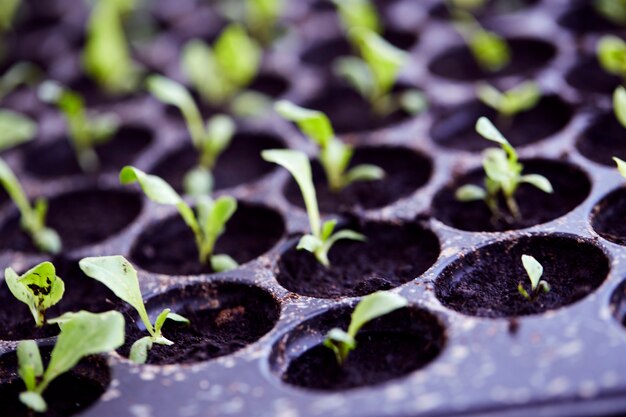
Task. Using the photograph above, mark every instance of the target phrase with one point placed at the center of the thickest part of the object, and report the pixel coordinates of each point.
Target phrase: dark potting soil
(225, 317)
(583, 18)
(81, 293)
(603, 139)
(389, 347)
(323, 54)
(588, 76)
(456, 127)
(571, 187)
(57, 158)
(573, 267)
(349, 112)
(405, 172)
(80, 218)
(272, 85)
(168, 247)
(607, 217)
(528, 55)
(491, 8)
(391, 256)
(67, 395)
(240, 163)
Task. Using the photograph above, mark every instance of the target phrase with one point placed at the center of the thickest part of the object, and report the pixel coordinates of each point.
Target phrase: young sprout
(375, 73)
(8, 9)
(334, 155)
(491, 51)
(613, 10)
(503, 175)
(358, 14)
(612, 55)
(85, 130)
(106, 57)
(39, 288)
(16, 129)
(82, 334)
(619, 105)
(32, 218)
(210, 140)
(509, 103)
(21, 73)
(535, 271)
(120, 277)
(207, 224)
(321, 239)
(621, 166)
(218, 74)
(369, 308)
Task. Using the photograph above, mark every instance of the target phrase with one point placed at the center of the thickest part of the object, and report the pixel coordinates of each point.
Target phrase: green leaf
(117, 274)
(619, 105)
(160, 320)
(357, 73)
(154, 187)
(30, 364)
(491, 51)
(309, 243)
(223, 209)
(413, 101)
(8, 9)
(358, 13)
(34, 401)
(299, 167)
(328, 227)
(341, 344)
(621, 166)
(250, 104)
(614, 10)
(238, 56)
(534, 270)
(16, 129)
(487, 130)
(470, 192)
(518, 99)
(538, 181)
(139, 350)
(21, 73)
(39, 288)
(373, 306)
(199, 66)
(198, 181)
(220, 130)
(314, 124)
(364, 172)
(223, 263)
(612, 55)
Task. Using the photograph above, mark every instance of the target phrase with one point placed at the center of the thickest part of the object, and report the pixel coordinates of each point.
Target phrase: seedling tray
(475, 347)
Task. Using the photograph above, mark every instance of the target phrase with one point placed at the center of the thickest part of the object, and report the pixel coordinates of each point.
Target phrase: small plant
(491, 51)
(39, 288)
(613, 10)
(358, 14)
(20, 73)
(106, 57)
(120, 277)
(207, 224)
(210, 140)
(16, 129)
(619, 105)
(321, 239)
(334, 155)
(85, 131)
(82, 334)
(509, 103)
(612, 55)
(32, 218)
(375, 73)
(503, 175)
(218, 74)
(8, 9)
(534, 270)
(369, 308)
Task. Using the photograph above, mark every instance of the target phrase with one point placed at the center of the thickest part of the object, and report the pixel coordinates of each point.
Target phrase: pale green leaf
(358, 13)
(30, 363)
(373, 306)
(199, 66)
(534, 270)
(139, 350)
(612, 55)
(223, 263)
(364, 172)
(198, 181)
(312, 123)
(487, 130)
(357, 73)
(154, 187)
(538, 181)
(16, 129)
(238, 56)
(619, 105)
(33, 401)
(470, 192)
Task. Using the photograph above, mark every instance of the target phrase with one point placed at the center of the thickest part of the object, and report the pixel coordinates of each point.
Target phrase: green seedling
(490, 51)
(32, 218)
(106, 57)
(534, 270)
(358, 14)
(220, 73)
(120, 277)
(82, 334)
(85, 131)
(375, 73)
(611, 53)
(619, 105)
(613, 10)
(16, 129)
(503, 175)
(21, 73)
(260, 17)
(369, 308)
(323, 235)
(207, 224)
(334, 155)
(8, 10)
(210, 140)
(39, 288)
(521, 98)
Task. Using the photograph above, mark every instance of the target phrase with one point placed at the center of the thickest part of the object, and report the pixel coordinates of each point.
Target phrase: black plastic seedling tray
(467, 345)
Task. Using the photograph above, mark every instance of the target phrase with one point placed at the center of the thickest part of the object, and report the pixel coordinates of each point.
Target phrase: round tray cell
(240, 163)
(492, 8)
(405, 172)
(168, 247)
(81, 293)
(528, 55)
(603, 139)
(389, 347)
(81, 218)
(224, 317)
(607, 217)
(391, 256)
(582, 18)
(57, 158)
(69, 394)
(485, 282)
(588, 76)
(571, 187)
(456, 128)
